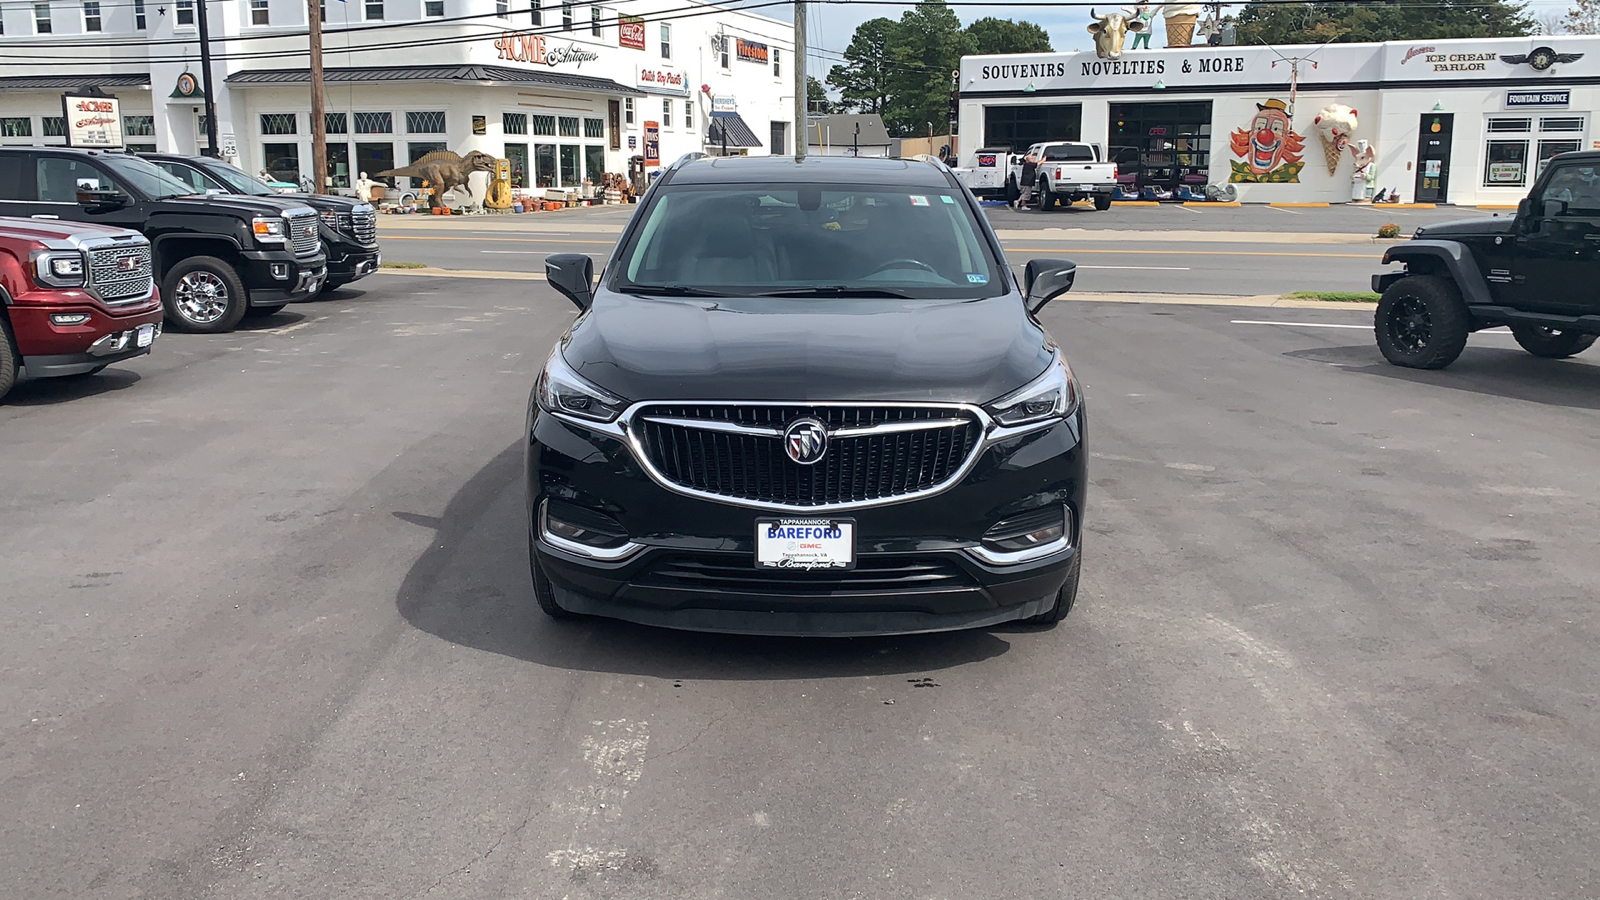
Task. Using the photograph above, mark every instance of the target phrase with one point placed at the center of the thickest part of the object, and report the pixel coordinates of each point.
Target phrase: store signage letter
(751, 51)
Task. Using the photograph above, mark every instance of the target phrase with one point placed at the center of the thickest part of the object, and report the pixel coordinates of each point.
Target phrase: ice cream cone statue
(1180, 18)
(1335, 124)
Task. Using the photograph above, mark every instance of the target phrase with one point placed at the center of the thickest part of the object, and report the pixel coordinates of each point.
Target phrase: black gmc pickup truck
(1538, 273)
(216, 257)
(349, 227)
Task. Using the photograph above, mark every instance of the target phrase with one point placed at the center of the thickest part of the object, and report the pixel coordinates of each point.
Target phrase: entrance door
(780, 139)
(1433, 157)
(1559, 251)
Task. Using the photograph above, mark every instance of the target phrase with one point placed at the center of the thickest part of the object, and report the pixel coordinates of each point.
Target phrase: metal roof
(735, 129)
(68, 82)
(449, 74)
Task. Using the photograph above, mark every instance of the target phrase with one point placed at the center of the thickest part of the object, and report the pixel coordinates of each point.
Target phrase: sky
(832, 23)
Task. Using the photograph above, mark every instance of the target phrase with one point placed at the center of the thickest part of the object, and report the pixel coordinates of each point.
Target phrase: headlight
(563, 392)
(1053, 395)
(269, 229)
(59, 268)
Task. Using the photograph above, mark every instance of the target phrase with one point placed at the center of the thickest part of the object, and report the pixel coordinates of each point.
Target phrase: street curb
(1202, 204)
(1299, 205)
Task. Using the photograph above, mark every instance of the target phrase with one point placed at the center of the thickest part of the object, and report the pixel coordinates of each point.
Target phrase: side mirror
(1525, 208)
(1044, 280)
(101, 201)
(573, 275)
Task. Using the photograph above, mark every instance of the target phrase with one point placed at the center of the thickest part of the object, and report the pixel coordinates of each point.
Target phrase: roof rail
(928, 158)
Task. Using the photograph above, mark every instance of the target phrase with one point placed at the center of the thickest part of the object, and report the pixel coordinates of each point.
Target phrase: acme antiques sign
(530, 48)
(92, 121)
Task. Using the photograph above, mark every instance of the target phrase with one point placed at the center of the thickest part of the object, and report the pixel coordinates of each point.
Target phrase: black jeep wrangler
(1538, 273)
(216, 258)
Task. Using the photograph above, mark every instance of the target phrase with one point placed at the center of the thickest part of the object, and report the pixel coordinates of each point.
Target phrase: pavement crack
(692, 741)
(467, 866)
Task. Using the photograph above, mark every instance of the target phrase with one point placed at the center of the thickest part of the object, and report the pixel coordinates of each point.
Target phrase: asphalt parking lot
(271, 636)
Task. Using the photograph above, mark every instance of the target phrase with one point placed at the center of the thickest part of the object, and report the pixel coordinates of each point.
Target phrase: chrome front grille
(303, 235)
(116, 281)
(875, 453)
(737, 572)
(364, 226)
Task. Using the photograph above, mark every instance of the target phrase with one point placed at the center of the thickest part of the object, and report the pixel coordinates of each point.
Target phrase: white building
(567, 91)
(1460, 121)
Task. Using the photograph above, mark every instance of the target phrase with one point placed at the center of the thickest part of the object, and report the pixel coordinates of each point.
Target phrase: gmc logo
(127, 264)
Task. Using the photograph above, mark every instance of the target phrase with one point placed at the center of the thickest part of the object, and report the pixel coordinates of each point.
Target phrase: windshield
(145, 177)
(809, 239)
(239, 181)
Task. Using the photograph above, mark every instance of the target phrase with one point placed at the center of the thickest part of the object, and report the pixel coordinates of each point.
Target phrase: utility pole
(205, 79)
(800, 92)
(319, 122)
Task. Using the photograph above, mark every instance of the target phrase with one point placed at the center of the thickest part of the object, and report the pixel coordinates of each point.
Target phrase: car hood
(815, 350)
(244, 204)
(56, 230)
(1466, 228)
(323, 202)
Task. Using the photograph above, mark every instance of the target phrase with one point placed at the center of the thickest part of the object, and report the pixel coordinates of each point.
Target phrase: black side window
(60, 177)
(188, 175)
(11, 186)
(1576, 186)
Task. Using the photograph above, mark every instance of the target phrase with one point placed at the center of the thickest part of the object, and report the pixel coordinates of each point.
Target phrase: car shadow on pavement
(471, 587)
(49, 391)
(1494, 371)
(267, 323)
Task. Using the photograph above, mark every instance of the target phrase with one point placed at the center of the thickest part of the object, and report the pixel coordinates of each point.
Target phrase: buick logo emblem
(806, 441)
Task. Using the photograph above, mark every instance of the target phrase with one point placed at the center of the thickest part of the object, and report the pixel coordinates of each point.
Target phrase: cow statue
(1110, 32)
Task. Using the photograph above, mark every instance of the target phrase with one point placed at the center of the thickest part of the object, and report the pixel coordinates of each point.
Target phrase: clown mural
(1270, 148)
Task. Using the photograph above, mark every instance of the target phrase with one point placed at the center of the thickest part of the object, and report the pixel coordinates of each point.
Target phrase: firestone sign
(93, 121)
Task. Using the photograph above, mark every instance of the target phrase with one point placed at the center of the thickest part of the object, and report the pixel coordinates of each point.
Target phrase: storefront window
(425, 122)
(517, 155)
(139, 126)
(418, 149)
(594, 128)
(1161, 145)
(277, 123)
(16, 127)
(335, 123)
(543, 125)
(594, 164)
(375, 158)
(1506, 164)
(1019, 127)
(569, 126)
(374, 123)
(569, 166)
(339, 165)
(544, 160)
(1548, 149)
(514, 123)
(53, 126)
(282, 161)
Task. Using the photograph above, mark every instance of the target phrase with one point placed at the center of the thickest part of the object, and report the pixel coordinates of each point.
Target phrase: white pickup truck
(987, 176)
(1068, 171)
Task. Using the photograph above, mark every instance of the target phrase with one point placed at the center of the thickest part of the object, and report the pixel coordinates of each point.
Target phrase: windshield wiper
(671, 290)
(839, 290)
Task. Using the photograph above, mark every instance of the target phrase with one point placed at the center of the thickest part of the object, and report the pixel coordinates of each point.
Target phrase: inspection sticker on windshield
(805, 543)
(977, 279)
(947, 198)
(918, 200)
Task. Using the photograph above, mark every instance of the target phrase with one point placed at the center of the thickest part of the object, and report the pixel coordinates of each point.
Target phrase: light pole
(205, 79)
(319, 122)
(800, 92)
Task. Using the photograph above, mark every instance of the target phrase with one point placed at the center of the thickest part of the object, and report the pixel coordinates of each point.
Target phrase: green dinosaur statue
(444, 170)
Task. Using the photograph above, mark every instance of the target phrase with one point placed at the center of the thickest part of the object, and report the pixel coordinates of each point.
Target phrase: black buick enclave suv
(807, 398)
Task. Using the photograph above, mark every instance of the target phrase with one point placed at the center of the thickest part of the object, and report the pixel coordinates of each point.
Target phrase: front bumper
(274, 277)
(351, 262)
(694, 563)
(108, 336)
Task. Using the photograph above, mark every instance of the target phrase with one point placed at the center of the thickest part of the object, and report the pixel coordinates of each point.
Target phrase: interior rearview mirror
(96, 200)
(572, 274)
(1044, 280)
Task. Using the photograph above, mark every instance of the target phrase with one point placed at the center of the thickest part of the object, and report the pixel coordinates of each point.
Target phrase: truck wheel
(1011, 191)
(1551, 343)
(8, 359)
(1102, 202)
(1421, 322)
(204, 295)
(261, 312)
(1064, 600)
(1047, 199)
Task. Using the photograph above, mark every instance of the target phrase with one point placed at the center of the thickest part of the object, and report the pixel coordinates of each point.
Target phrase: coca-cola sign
(630, 32)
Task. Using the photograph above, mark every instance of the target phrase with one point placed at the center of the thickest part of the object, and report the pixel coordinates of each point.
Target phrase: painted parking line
(1136, 268)
(479, 240)
(1174, 251)
(1506, 332)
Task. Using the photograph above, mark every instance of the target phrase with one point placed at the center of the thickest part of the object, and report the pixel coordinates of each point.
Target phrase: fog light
(280, 271)
(69, 318)
(1030, 535)
(588, 527)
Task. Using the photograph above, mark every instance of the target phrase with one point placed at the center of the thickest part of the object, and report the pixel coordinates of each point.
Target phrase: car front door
(59, 179)
(1557, 266)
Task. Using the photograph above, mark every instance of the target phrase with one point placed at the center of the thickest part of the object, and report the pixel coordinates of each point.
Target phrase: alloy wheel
(1410, 325)
(201, 297)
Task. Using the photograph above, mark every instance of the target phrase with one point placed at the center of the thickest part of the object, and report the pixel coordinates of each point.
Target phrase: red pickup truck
(74, 298)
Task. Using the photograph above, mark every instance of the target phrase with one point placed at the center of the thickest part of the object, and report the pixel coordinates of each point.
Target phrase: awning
(737, 132)
(68, 82)
(437, 74)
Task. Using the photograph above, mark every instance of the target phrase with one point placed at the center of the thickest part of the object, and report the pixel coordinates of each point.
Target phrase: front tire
(1422, 323)
(8, 359)
(1047, 198)
(543, 592)
(1551, 343)
(1065, 598)
(203, 295)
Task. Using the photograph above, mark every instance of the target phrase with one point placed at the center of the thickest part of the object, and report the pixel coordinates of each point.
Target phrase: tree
(991, 35)
(863, 78)
(925, 47)
(1382, 20)
(817, 100)
(1583, 18)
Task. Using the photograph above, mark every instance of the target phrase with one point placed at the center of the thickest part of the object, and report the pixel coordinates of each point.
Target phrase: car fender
(1448, 258)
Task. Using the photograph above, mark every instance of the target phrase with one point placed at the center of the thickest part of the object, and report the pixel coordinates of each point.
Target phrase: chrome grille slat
(739, 454)
(303, 236)
(116, 287)
(364, 227)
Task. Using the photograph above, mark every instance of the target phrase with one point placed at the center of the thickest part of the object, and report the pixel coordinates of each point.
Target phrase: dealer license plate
(1085, 187)
(805, 543)
(146, 336)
